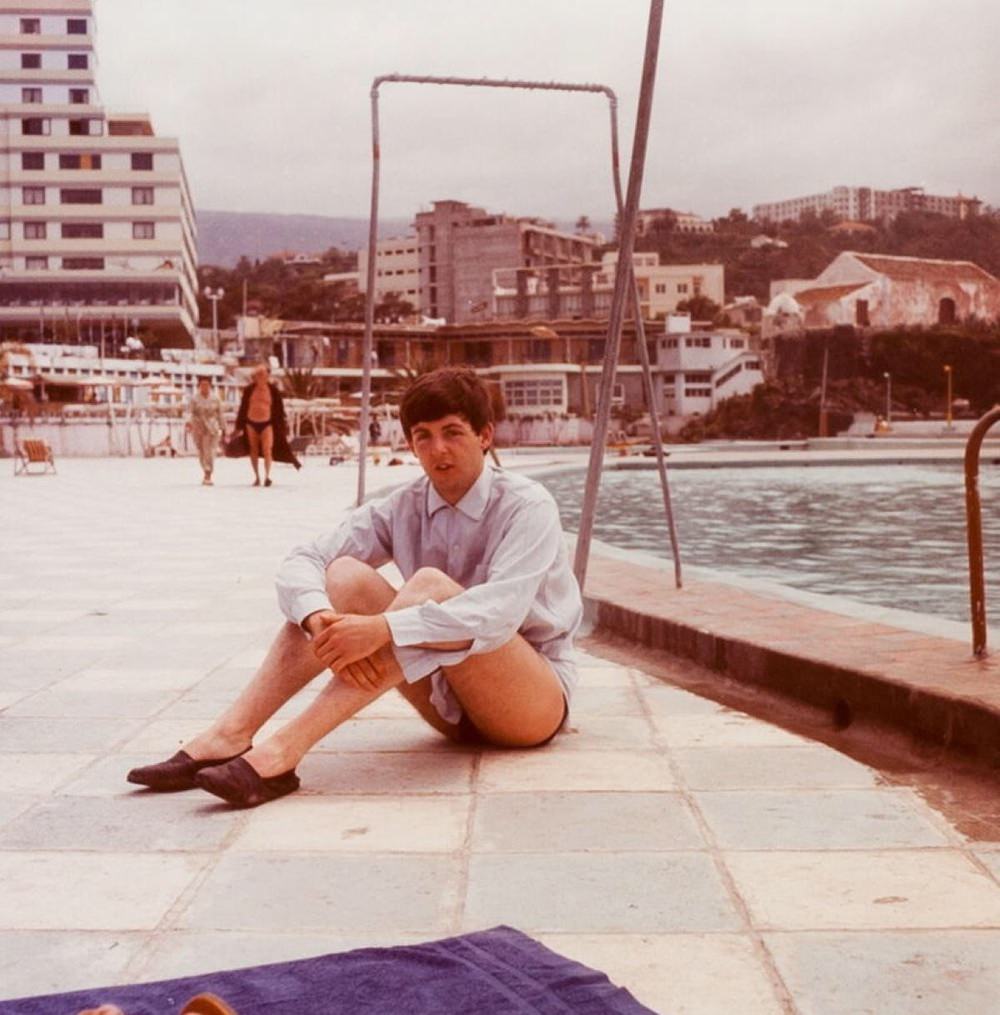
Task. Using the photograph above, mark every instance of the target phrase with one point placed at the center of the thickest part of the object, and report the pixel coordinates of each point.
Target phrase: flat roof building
(460, 246)
(865, 204)
(97, 233)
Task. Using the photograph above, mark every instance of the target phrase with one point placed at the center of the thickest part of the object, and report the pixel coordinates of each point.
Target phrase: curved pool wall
(863, 538)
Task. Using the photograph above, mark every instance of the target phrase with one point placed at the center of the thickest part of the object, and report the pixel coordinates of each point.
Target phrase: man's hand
(340, 639)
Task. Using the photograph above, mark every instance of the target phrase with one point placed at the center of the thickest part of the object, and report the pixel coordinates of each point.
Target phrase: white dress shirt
(502, 542)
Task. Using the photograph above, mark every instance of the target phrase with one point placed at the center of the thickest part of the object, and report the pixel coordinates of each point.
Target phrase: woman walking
(261, 419)
(206, 424)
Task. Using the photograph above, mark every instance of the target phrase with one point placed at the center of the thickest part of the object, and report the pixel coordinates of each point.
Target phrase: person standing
(261, 418)
(206, 424)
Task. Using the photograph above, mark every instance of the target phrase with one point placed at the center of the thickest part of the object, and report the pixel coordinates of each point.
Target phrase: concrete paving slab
(603, 893)
(373, 893)
(91, 891)
(584, 821)
(864, 890)
(683, 974)
(818, 819)
(401, 773)
(812, 767)
(585, 771)
(892, 973)
(49, 962)
(61, 734)
(140, 822)
(331, 825)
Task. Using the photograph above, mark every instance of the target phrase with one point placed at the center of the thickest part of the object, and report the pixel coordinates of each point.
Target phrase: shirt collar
(473, 504)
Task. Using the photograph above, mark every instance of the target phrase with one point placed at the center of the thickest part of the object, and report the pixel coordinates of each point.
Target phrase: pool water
(887, 535)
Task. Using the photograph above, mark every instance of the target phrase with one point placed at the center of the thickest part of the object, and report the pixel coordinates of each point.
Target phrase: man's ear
(486, 436)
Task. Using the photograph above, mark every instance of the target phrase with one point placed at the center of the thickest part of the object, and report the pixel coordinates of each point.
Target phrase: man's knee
(355, 587)
(431, 583)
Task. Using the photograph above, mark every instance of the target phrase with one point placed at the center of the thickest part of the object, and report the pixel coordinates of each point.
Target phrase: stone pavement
(707, 860)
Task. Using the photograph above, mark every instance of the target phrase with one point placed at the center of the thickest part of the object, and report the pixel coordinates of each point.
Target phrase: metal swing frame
(625, 284)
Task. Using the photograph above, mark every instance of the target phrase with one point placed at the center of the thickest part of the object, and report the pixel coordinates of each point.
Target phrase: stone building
(883, 291)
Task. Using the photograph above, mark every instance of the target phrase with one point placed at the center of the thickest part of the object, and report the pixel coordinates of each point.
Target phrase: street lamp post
(947, 374)
(888, 398)
(214, 295)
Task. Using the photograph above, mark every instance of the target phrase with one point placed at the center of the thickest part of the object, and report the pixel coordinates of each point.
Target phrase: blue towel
(492, 972)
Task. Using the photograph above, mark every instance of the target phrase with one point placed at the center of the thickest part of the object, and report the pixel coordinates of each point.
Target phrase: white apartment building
(696, 370)
(397, 269)
(865, 204)
(97, 233)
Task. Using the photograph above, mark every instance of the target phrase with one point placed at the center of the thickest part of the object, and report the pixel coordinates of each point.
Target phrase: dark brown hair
(442, 392)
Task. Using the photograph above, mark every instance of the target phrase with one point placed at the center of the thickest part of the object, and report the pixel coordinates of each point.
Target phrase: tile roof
(921, 269)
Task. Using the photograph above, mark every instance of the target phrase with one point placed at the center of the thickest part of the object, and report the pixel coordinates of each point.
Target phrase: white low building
(696, 370)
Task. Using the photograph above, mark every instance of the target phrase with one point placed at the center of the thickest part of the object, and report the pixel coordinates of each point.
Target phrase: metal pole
(823, 426)
(623, 279)
(974, 531)
(888, 399)
(947, 372)
(368, 344)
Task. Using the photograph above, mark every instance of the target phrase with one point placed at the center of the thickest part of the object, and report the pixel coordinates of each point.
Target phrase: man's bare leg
(512, 695)
(290, 663)
(253, 447)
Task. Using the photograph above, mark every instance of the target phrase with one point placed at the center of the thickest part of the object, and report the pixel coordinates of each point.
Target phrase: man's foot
(176, 773)
(256, 481)
(267, 482)
(207, 1004)
(238, 783)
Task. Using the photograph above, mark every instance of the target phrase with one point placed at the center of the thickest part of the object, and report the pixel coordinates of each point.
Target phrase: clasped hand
(346, 643)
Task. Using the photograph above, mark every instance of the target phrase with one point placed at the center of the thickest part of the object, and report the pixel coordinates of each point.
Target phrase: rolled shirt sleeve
(488, 615)
(301, 580)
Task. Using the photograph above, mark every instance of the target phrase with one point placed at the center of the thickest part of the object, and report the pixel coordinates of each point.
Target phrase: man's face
(451, 453)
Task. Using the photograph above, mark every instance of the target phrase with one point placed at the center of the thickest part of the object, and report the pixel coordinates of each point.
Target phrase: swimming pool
(888, 535)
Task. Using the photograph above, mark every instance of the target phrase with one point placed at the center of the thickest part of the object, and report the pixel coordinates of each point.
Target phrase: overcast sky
(756, 100)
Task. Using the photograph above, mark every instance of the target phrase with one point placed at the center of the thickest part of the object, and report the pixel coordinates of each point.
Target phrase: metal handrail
(974, 530)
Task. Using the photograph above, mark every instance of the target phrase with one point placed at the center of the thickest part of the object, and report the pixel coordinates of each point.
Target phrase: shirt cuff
(307, 603)
(406, 626)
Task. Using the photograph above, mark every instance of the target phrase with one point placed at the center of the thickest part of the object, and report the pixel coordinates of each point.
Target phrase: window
(698, 377)
(83, 230)
(660, 287)
(4, 229)
(35, 126)
(32, 160)
(861, 313)
(31, 61)
(142, 195)
(77, 61)
(682, 287)
(143, 230)
(697, 392)
(79, 96)
(31, 26)
(83, 263)
(533, 394)
(142, 160)
(34, 230)
(33, 195)
(36, 263)
(670, 343)
(84, 161)
(84, 128)
(31, 95)
(76, 26)
(81, 195)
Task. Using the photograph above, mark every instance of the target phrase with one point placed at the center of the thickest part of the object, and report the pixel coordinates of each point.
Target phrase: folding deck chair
(34, 458)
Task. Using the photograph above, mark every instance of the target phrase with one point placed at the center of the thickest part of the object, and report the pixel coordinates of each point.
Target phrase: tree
(700, 307)
(582, 224)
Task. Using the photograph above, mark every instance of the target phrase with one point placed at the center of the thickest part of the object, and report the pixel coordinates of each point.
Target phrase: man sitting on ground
(478, 639)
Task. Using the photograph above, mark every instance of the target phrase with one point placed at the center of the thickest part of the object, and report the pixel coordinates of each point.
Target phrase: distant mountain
(226, 236)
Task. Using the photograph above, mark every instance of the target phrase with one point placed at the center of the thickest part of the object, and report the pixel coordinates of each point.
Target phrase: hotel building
(865, 204)
(97, 234)
(459, 247)
(397, 269)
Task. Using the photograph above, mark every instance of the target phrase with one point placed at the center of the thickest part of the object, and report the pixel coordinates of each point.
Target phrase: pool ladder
(974, 530)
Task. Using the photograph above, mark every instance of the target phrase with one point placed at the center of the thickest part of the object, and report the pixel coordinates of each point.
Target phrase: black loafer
(238, 783)
(174, 774)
